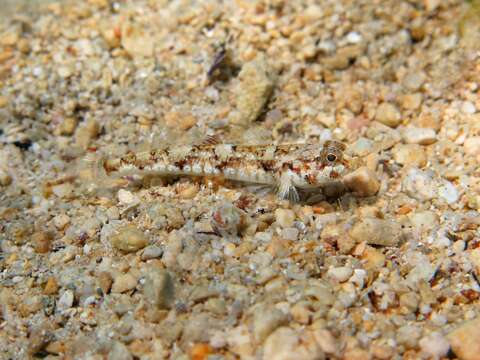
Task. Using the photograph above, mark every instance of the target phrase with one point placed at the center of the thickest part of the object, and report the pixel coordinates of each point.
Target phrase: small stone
(363, 182)
(290, 234)
(61, 221)
(362, 147)
(51, 287)
(413, 81)
(127, 197)
(159, 290)
(151, 252)
(119, 352)
(188, 191)
(422, 268)
(468, 108)
(85, 134)
(66, 300)
(410, 155)
(253, 91)
(282, 345)
(420, 185)
(105, 281)
(64, 72)
(353, 37)
(136, 42)
(411, 101)
(464, 340)
(471, 146)
(388, 114)
(42, 241)
(340, 274)
(285, 217)
(409, 301)
(424, 220)
(266, 320)
(448, 192)
(431, 5)
(422, 136)
(434, 345)
(129, 239)
(408, 336)
(123, 283)
(63, 191)
(178, 120)
(326, 341)
(5, 178)
(68, 126)
(376, 232)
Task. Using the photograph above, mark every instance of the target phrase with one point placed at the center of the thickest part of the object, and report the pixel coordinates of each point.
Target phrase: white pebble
(468, 108)
(340, 274)
(354, 37)
(471, 146)
(66, 300)
(126, 197)
(285, 217)
(60, 221)
(435, 345)
(420, 184)
(422, 136)
(448, 192)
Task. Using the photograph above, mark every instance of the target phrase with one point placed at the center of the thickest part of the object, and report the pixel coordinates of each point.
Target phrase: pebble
(283, 345)
(285, 217)
(5, 178)
(326, 341)
(61, 221)
(362, 147)
(388, 114)
(105, 281)
(42, 241)
(159, 290)
(363, 182)
(340, 274)
(468, 108)
(51, 287)
(123, 283)
(448, 192)
(376, 232)
(119, 352)
(420, 184)
(128, 239)
(471, 146)
(464, 340)
(65, 301)
(266, 320)
(411, 101)
(410, 155)
(136, 42)
(424, 220)
(422, 136)
(413, 81)
(151, 252)
(127, 197)
(253, 91)
(68, 126)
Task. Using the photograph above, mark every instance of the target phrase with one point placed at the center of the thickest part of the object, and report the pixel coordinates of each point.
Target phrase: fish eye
(331, 157)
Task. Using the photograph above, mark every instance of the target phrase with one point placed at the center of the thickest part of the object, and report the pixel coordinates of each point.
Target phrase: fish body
(285, 167)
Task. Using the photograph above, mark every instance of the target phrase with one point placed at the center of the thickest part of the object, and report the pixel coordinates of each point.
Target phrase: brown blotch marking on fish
(334, 175)
(310, 178)
(267, 165)
(180, 164)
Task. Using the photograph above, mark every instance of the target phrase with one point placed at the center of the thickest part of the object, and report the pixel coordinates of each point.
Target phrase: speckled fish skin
(287, 167)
